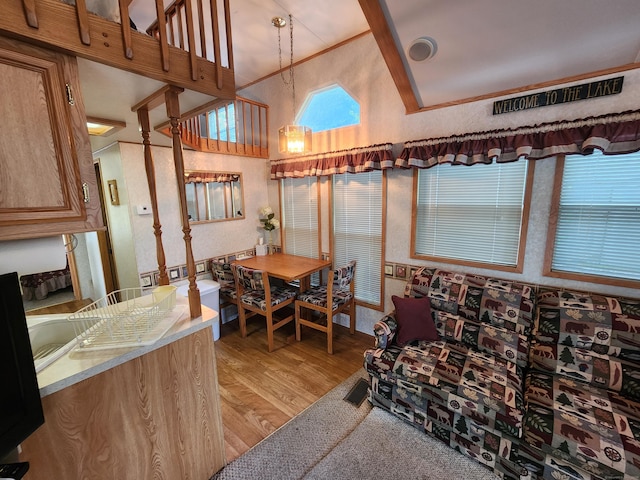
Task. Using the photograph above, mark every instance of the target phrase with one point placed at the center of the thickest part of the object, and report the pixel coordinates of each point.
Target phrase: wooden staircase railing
(238, 127)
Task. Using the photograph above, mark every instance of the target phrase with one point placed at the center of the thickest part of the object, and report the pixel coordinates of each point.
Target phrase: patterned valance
(612, 134)
(210, 177)
(355, 160)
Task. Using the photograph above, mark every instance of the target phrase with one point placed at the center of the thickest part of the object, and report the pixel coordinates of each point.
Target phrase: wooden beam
(382, 33)
(55, 18)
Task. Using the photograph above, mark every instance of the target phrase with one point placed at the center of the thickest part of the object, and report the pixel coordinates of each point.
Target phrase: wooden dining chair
(337, 296)
(257, 296)
(223, 274)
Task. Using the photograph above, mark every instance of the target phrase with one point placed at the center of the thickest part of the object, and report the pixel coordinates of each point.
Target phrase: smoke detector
(422, 49)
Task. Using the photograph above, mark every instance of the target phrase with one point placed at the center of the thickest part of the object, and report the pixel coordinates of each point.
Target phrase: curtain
(611, 134)
(355, 160)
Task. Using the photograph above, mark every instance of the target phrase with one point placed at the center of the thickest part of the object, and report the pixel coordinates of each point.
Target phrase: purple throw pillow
(414, 320)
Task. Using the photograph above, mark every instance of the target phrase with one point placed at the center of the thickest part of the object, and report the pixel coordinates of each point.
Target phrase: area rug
(334, 439)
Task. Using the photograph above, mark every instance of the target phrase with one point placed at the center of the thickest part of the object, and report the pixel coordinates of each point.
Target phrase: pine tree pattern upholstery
(583, 391)
(465, 389)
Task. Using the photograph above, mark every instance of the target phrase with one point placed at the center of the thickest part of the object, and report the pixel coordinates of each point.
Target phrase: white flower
(275, 223)
(266, 211)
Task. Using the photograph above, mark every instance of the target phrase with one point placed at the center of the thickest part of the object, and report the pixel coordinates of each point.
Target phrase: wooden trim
(304, 60)
(551, 237)
(524, 226)
(73, 266)
(533, 86)
(384, 37)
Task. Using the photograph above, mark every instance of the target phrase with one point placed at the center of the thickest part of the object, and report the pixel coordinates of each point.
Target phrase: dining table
(286, 267)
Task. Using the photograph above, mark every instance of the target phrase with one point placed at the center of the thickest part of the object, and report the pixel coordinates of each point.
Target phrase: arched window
(329, 108)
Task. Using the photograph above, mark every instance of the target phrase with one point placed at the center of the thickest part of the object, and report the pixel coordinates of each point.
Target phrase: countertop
(75, 366)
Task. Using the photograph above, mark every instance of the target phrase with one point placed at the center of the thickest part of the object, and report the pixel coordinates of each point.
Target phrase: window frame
(381, 306)
(547, 270)
(524, 225)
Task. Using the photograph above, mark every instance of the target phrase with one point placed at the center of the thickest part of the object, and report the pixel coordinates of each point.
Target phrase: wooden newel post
(145, 126)
(173, 112)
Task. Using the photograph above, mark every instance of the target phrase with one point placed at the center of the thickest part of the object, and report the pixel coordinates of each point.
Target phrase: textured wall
(359, 68)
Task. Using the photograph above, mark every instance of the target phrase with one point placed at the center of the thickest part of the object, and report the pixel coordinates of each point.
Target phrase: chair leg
(330, 333)
(269, 332)
(297, 307)
(352, 318)
(242, 319)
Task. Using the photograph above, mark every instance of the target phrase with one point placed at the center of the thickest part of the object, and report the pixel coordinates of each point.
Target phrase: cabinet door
(47, 176)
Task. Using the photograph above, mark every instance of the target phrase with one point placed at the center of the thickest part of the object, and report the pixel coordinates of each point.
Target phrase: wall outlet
(143, 209)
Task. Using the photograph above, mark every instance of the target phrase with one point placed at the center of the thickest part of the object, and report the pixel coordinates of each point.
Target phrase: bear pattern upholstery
(583, 391)
(467, 388)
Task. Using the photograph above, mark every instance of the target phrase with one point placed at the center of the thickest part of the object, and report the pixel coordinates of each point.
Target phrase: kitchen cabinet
(48, 184)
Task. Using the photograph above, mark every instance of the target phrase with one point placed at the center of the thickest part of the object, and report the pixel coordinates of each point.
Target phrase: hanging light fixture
(292, 138)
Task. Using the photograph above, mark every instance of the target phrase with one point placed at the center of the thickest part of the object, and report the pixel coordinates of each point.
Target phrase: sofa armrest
(385, 331)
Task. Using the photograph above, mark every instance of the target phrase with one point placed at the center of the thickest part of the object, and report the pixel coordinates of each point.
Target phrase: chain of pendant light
(291, 80)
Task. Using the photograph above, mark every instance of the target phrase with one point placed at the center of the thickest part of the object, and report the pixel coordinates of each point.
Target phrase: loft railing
(190, 46)
(239, 127)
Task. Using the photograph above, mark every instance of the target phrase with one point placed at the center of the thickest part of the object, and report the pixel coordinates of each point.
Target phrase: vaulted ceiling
(484, 48)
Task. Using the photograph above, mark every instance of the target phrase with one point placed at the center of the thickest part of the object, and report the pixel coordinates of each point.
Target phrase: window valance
(355, 160)
(210, 177)
(612, 134)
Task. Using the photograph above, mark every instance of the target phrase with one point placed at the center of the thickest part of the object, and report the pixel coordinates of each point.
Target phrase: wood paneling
(156, 416)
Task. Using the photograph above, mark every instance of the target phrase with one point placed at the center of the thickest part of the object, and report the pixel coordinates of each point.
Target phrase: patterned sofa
(583, 390)
(466, 388)
(533, 385)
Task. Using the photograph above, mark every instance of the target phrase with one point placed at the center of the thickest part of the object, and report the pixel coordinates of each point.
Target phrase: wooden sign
(600, 88)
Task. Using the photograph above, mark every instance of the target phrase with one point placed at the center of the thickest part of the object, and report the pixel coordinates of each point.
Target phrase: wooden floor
(261, 391)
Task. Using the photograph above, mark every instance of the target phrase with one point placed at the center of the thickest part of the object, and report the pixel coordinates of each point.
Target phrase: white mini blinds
(598, 228)
(471, 213)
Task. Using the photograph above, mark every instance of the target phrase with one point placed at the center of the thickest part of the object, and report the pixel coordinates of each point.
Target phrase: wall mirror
(214, 196)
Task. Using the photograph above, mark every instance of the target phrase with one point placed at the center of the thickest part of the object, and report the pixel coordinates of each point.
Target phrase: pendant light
(292, 139)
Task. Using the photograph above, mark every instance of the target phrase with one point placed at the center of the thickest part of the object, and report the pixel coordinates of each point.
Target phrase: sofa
(582, 392)
(483, 377)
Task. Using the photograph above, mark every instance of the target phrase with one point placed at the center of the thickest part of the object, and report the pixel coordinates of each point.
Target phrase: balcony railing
(190, 43)
(236, 128)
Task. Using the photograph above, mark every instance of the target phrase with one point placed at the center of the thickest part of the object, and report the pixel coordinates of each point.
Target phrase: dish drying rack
(125, 318)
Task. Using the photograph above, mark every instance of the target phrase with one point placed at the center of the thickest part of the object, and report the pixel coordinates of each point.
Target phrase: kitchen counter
(144, 412)
(75, 366)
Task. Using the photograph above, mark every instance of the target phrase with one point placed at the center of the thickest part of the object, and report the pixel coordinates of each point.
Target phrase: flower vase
(270, 247)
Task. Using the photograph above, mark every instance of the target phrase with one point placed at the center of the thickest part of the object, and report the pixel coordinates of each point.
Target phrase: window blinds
(357, 229)
(300, 216)
(598, 229)
(471, 213)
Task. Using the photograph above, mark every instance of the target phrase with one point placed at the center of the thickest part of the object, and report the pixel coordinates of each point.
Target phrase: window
(357, 218)
(299, 198)
(596, 230)
(329, 108)
(472, 214)
(222, 123)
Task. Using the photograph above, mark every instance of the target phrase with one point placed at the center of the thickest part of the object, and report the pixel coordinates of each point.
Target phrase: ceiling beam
(382, 33)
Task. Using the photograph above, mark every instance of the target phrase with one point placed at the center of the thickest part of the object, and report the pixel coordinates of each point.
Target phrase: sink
(51, 337)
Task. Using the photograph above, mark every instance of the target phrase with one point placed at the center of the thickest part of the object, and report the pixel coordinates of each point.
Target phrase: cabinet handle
(85, 192)
(70, 99)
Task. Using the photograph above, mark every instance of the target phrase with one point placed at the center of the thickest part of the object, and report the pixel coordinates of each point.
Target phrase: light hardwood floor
(261, 391)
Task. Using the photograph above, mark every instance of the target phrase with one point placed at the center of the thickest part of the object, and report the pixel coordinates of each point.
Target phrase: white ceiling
(484, 47)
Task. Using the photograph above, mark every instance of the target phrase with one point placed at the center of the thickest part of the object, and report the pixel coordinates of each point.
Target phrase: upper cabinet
(48, 183)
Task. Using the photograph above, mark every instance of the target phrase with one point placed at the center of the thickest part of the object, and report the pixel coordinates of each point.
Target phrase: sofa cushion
(596, 430)
(606, 325)
(458, 377)
(586, 366)
(503, 303)
(480, 336)
(414, 320)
